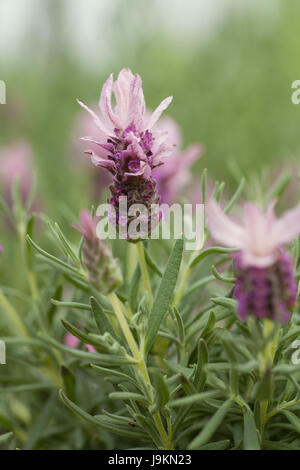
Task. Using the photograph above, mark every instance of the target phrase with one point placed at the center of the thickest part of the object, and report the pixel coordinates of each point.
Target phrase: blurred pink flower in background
(72, 342)
(175, 173)
(16, 163)
(265, 281)
(260, 237)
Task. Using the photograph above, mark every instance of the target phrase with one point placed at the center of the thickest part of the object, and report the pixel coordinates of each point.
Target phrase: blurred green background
(229, 64)
(229, 67)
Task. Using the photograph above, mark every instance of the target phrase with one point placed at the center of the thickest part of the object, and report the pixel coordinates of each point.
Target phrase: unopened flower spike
(132, 147)
(265, 285)
(103, 270)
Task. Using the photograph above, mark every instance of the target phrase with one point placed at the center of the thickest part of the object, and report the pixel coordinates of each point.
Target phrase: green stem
(131, 260)
(263, 415)
(138, 356)
(30, 274)
(12, 315)
(181, 286)
(281, 407)
(124, 326)
(144, 270)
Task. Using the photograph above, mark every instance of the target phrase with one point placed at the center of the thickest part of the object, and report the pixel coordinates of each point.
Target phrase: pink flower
(16, 163)
(72, 342)
(175, 174)
(129, 120)
(130, 108)
(133, 145)
(87, 227)
(260, 237)
(265, 282)
(100, 180)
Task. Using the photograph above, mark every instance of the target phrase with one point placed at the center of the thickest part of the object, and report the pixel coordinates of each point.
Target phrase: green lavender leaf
(27, 387)
(36, 430)
(219, 445)
(102, 320)
(210, 251)
(203, 185)
(113, 372)
(202, 360)
(235, 196)
(69, 381)
(134, 288)
(250, 432)
(54, 261)
(277, 445)
(102, 422)
(161, 389)
(85, 338)
(192, 399)
(212, 425)
(104, 359)
(128, 396)
(76, 305)
(225, 302)
(5, 437)
(164, 294)
(293, 419)
(151, 263)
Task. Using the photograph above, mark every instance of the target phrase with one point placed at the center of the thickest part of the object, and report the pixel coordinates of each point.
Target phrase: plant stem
(12, 315)
(181, 286)
(131, 260)
(138, 356)
(30, 274)
(263, 415)
(124, 326)
(144, 271)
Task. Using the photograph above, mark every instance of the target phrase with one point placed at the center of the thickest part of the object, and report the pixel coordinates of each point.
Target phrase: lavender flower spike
(265, 285)
(132, 147)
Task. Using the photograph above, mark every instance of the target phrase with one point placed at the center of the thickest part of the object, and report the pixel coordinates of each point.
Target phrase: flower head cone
(132, 147)
(103, 270)
(265, 286)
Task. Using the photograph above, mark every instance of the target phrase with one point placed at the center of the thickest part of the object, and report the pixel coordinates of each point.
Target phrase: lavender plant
(156, 347)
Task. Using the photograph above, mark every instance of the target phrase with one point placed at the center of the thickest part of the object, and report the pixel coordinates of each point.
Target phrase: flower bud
(103, 270)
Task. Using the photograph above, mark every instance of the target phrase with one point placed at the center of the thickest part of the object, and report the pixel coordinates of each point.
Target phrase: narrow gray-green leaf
(293, 419)
(202, 360)
(210, 251)
(164, 294)
(103, 323)
(161, 389)
(250, 432)
(192, 399)
(219, 445)
(40, 424)
(211, 426)
(5, 437)
(127, 396)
